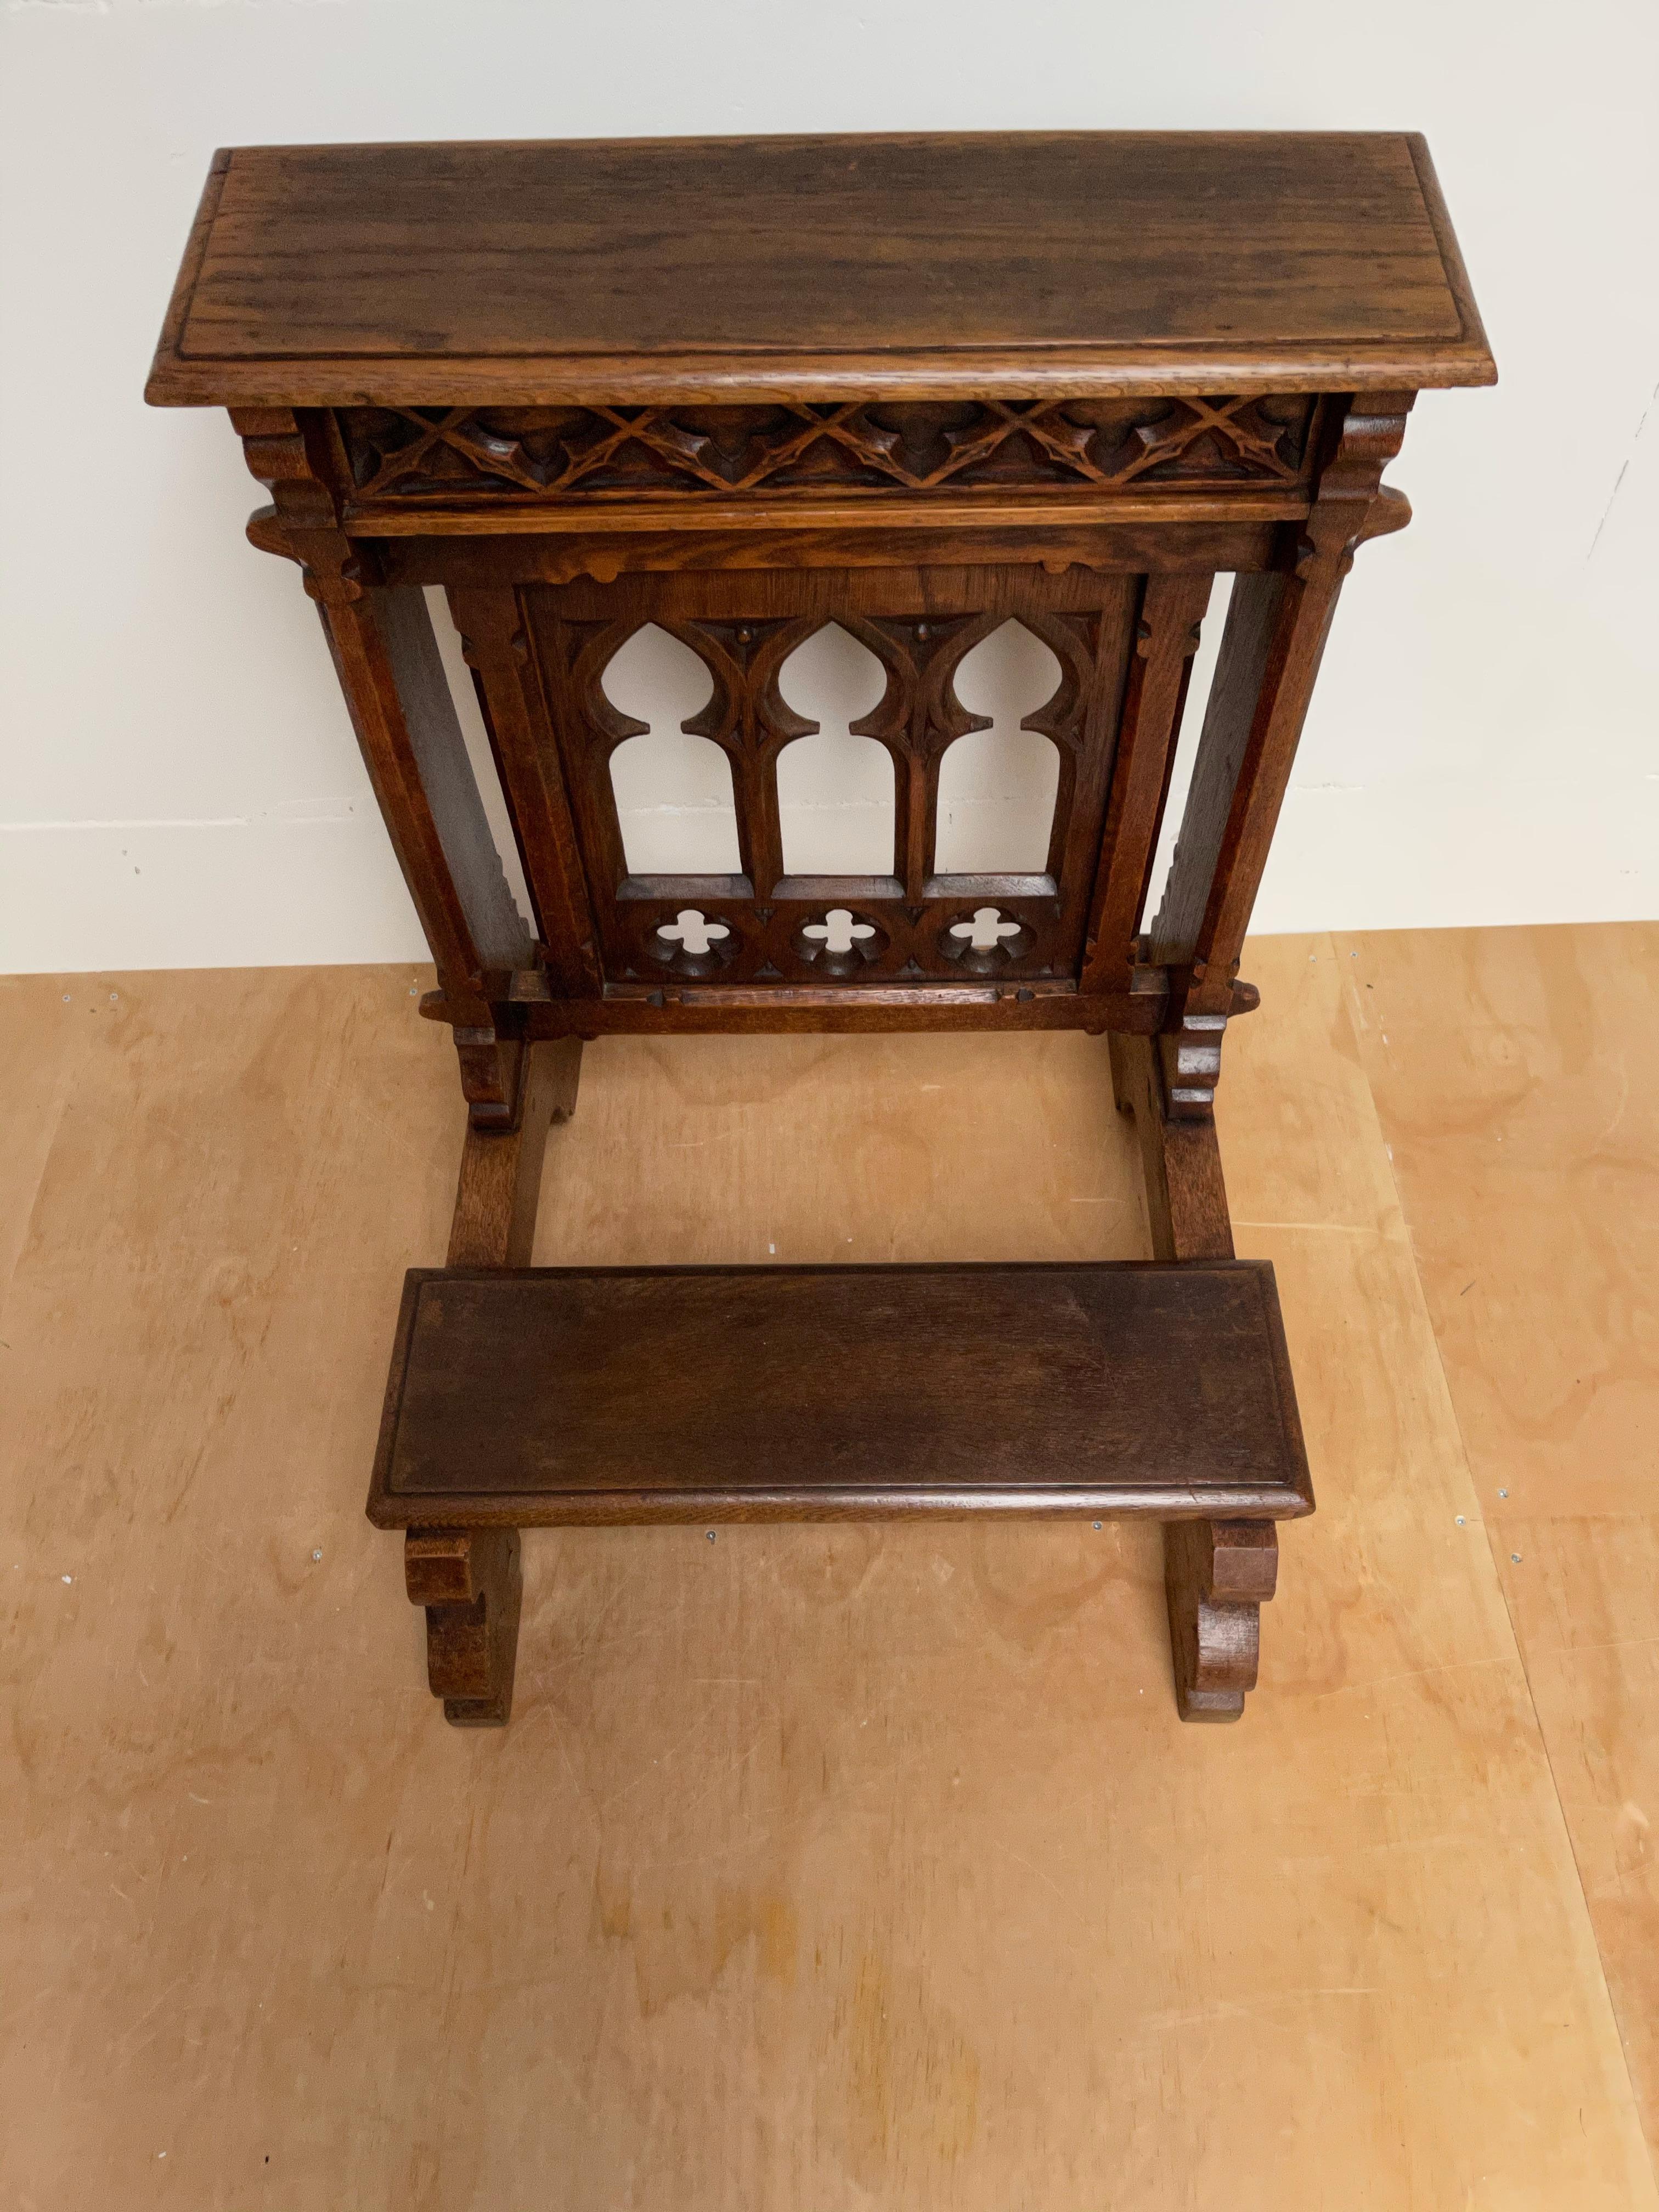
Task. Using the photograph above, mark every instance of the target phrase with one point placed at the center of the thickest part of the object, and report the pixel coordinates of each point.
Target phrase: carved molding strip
(529, 453)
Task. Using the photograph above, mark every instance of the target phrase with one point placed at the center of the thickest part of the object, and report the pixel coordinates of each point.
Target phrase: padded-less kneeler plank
(540, 1395)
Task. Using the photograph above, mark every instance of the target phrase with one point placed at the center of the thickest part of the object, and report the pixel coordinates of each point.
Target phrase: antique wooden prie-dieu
(741, 389)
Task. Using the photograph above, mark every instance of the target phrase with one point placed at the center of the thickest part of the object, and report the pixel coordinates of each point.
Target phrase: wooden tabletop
(623, 272)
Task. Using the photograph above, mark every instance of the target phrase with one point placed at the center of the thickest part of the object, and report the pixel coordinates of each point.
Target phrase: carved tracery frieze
(548, 452)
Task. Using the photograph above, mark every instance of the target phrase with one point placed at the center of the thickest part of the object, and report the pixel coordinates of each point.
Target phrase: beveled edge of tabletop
(1031, 372)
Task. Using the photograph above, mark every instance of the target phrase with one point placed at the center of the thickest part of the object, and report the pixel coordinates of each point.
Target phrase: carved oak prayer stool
(741, 389)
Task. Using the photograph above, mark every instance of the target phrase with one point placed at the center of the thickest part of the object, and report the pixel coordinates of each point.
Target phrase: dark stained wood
(679, 1009)
(616, 272)
(387, 658)
(1171, 610)
(443, 772)
(1218, 1575)
(889, 590)
(1187, 1215)
(1258, 618)
(917, 386)
(469, 1581)
(496, 1200)
(797, 546)
(916, 915)
(559, 1395)
(1271, 649)
(509, 692)
(1016, 456)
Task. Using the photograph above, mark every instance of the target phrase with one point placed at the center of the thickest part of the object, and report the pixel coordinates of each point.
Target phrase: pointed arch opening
(997, 787)
(835, 790)
(675, 802)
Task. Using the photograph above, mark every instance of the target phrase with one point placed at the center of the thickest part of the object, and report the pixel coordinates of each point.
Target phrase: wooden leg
(492, 1077)
(1180, 1160)
(392, 672)
(501, 1179)
(1218, 1575)
(468, 1580)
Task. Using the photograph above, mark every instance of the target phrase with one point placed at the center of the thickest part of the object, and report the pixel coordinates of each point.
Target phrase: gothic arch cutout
(997, 787)
(836, 794)
(675, 804)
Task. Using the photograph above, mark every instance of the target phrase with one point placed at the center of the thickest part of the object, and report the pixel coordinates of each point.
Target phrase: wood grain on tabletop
(540, 271)
(1516, 1078)
(819, 1866)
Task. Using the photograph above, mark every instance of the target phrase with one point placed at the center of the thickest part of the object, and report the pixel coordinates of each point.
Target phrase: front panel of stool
(934, 901)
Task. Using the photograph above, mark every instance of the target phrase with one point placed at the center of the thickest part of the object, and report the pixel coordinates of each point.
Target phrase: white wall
(180, 785)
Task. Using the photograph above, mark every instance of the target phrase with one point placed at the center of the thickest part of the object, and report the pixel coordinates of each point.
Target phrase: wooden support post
(386, 656)
(1218, 1575)
(392, 675)
(501, 1179)
(469, 1579)
(387, 660)
(1160, 670)
(515, 713)
(1277, 626)
(1179, 1161)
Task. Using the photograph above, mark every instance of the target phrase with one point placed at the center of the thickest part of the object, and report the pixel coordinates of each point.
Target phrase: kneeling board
(534, 1396)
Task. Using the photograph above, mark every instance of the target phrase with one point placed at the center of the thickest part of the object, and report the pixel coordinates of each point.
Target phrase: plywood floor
(835, 1868)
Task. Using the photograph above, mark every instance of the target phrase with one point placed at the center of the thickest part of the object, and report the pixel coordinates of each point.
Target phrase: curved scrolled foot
(1218, 1575)
(469, 1581)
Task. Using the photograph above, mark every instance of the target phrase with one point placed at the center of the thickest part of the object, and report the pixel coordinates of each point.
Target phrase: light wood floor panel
(819, 1869)
(44, 1038)
(1516, 1075)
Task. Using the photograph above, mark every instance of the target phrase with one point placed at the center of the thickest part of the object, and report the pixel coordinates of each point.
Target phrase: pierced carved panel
(764, 926)
(531, 453)
(663, 939)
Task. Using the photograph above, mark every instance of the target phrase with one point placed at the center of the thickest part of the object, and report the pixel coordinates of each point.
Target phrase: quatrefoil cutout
(985, 930)
(841, 943)
(839, 931)
(985, 938)
(691, 943)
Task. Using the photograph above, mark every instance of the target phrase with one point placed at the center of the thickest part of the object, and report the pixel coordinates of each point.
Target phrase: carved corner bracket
(299, 460)
(1351, 504)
